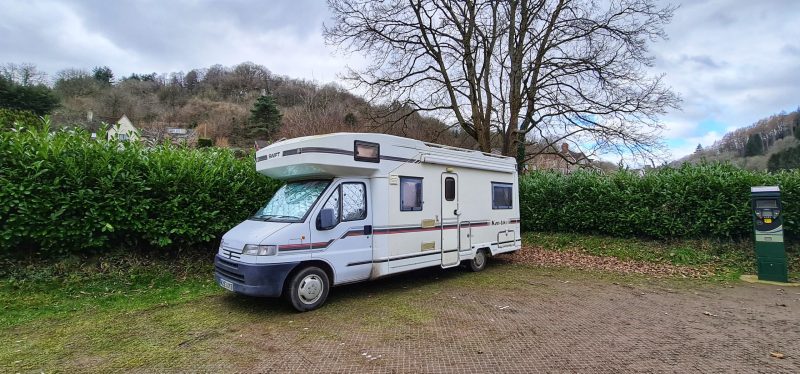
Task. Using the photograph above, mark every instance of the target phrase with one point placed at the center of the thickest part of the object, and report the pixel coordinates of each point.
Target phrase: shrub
(692, 201)
(204, 143)
(786, 159)
(64, 192)
(10, 117)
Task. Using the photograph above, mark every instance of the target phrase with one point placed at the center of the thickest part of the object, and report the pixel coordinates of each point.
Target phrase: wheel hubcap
(479, 259)
(310, 289)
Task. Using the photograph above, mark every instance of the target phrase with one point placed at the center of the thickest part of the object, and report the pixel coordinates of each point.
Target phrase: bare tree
(24, 74)
(75, 82)
(517, 70)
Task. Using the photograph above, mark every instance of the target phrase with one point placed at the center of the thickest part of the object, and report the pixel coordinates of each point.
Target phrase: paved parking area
(509, 318)
(550, 322)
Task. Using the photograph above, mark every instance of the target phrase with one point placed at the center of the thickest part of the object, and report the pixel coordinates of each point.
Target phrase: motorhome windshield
(292, 201)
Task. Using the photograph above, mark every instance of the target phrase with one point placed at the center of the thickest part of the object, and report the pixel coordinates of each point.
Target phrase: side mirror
(326, 220)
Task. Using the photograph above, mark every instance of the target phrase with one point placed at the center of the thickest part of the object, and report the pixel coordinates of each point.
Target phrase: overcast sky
(732, 62)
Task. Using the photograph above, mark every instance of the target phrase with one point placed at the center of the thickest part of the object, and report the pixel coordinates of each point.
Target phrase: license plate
(226, 284)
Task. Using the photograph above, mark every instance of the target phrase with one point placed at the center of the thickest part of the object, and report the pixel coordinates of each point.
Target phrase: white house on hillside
(123, 130)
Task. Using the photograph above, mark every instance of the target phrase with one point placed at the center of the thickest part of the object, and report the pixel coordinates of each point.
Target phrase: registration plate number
(226, 284)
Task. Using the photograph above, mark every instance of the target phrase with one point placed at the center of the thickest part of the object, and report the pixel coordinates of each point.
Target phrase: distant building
(158, 132)
(123, 130)
(178, 134)
(564, 160)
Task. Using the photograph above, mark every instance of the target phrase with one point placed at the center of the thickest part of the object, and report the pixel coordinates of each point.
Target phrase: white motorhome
(363, 206)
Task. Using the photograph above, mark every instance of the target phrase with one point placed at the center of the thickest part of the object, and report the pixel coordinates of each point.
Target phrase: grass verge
(120, 282)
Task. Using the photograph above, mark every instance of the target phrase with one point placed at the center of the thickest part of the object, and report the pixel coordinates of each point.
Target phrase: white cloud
(148, 36)
(689, 145)
(733, 62)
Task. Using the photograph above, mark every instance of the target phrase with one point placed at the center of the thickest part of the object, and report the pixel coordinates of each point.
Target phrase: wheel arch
(326, 267)
(486, 249)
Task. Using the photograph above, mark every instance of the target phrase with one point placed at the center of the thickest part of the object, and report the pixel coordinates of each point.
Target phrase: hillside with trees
(231, 105)
(520, 78)
(772, 143)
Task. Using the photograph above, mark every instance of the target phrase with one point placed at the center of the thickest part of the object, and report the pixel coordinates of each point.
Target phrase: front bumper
(253, 279)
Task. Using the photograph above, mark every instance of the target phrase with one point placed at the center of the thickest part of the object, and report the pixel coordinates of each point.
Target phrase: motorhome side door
(451, 220)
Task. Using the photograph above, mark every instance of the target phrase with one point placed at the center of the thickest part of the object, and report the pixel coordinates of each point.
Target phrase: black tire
(479, 262)
(307, 289)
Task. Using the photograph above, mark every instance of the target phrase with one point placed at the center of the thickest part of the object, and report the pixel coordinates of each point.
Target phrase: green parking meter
(768, 223)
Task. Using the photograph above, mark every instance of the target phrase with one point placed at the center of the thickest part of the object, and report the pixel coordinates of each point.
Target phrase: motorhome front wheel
(308, 289)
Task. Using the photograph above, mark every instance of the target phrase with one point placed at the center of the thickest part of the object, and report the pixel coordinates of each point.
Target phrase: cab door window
(348, 202)
(333, 204)
(354, 201)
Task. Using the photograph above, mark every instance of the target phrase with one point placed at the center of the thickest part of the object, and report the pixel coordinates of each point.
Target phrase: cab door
(346, 242)
(451, 220)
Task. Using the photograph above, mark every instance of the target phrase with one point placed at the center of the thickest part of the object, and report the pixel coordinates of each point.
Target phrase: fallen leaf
(777, 355)
(710, 314)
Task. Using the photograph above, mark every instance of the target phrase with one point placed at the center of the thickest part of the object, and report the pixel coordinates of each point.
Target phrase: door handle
(367, 229)
(456, 212)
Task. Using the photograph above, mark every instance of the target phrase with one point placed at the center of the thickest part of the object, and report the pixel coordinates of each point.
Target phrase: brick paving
(511, 318)
(561, 324)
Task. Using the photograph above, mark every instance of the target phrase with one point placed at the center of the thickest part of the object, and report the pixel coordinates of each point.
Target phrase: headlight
(260, 250)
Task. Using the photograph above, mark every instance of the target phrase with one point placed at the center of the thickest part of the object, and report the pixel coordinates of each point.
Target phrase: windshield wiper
(267, 217)
(284, 216)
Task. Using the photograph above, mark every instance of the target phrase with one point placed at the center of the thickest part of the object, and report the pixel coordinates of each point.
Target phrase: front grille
(230, 274)
(229, 263)
(230, 248)
(227, 253)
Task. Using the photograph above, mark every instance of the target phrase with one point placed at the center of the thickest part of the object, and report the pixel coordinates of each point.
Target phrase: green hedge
(692, 201)
(9, 117)
(64, 192)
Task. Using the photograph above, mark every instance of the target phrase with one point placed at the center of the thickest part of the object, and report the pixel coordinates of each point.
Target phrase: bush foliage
(11, 117)
(693, 201)
(63, 192)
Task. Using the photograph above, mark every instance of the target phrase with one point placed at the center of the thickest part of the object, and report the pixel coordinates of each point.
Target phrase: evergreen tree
(265, 118)
(755, 145)
(350, 119)
(797, 127)
(38, 99)
(785, 160)
(699, 149)
(103, 75)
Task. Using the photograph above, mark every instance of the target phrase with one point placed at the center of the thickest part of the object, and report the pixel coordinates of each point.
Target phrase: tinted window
(410, 194)
(449, 188)
(502, 196)
(366, 151)
(354, 201)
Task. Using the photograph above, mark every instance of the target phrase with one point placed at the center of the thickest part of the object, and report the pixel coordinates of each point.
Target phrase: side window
(333, 203)
(410, 194)
(449, 188)
(354, 201)
(502, 195)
